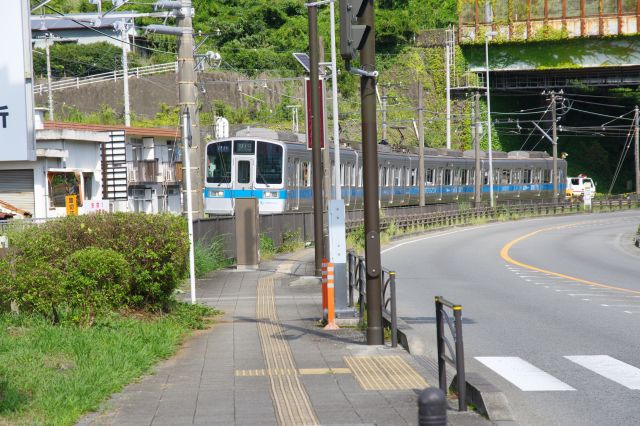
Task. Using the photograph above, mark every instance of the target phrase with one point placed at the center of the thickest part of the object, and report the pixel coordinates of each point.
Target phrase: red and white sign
(307, 97)
(101, 206)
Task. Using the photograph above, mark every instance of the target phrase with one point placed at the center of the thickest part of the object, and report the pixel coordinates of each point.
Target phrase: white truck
(578, 186)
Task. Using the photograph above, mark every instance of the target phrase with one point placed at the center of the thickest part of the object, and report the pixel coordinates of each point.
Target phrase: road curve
(551, 308)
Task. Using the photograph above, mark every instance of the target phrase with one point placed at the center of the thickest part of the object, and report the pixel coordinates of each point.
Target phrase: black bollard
(432, 408)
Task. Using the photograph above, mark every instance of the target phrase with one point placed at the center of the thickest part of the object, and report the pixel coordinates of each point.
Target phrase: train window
(439, 176)
(385, 176)
(547, 176)
(244, 172)
(456, 176)
(485, 178)
(269, 170)
(496, 176)
(472, 176)
(464, 177)
(429, 177)
(342, 177)
(219, 162)
(397, 177)
(306, 174)
(505, 177)
(414, 175)
(516, 177)
(244, 147)
(360, 176)
(448, 177)
(526, 177)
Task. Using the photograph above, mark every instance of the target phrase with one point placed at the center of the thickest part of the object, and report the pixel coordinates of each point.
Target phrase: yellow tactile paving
(384, 373)
(283, 372)
(292, 404)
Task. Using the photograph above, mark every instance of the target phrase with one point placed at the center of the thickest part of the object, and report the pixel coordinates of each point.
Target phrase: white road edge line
(430, 237)
(620, 372)
(525, 376)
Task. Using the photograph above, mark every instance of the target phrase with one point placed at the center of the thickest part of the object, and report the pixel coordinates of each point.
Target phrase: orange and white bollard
(325, 264)
(331, 311)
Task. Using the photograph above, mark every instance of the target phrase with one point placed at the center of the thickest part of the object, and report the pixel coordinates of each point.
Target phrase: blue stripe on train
(385, 191)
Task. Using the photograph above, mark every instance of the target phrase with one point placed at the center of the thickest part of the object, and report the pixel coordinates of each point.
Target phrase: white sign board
(16, 93)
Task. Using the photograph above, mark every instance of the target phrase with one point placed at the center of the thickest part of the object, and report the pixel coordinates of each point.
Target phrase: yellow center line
(504, 253)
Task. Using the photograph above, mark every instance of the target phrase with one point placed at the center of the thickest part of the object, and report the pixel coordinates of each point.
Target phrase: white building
(82, 28)
(110, 168)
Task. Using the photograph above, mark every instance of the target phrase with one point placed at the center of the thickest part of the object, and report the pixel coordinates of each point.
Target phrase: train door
(245, 173)
(439, 179)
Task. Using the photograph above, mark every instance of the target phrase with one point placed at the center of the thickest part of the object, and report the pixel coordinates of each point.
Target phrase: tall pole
(125, 74)
(554, 136)
(636, 123)
(375, 332)
(421, 144)
(187, 101)
(186, 130)
(326, 156)
(334, 101)
(316, 172)
(475, 113)
(46, 48)
(384, 112)
(448, 77)
(486, 53)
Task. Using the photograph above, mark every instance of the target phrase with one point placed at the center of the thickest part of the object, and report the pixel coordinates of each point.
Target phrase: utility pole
(636, 122)
(125, 73)
(326, 157)
(47, 37)
(375, 331)
(475, 132)
(187, 100)
(186, 135)
(384, 112)
(448, 83)
(334, 101)
(316, 171)
(554, 142)
(421, 144)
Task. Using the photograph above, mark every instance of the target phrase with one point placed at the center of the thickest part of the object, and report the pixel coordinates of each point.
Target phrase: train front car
(244, 168)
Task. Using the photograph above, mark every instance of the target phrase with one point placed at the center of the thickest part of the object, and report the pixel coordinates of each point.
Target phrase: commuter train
(276, 169)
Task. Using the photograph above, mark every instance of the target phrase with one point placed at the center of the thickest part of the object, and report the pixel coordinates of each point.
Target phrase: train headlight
(216, 193)
(270, 194)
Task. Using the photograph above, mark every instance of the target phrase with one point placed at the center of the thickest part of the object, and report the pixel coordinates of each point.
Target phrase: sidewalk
(266, 362)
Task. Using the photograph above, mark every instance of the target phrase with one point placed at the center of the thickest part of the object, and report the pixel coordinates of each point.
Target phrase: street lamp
(486, 53)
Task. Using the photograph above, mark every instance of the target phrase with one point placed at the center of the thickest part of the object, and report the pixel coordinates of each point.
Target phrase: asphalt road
(554, 321)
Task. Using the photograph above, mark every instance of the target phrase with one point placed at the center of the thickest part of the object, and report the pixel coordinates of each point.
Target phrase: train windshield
(269, 169)
(219, 162)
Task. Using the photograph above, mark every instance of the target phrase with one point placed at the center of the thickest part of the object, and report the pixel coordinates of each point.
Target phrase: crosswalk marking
(524, 375)
(610, 368)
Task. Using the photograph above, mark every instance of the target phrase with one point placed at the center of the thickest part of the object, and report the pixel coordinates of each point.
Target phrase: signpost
(71, 202)
(17, 142)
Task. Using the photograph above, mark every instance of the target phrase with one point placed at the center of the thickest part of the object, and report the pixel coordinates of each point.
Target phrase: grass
(53, 374)
(210, 257)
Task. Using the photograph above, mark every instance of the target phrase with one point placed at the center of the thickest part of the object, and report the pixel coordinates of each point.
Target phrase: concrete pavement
(267, 362)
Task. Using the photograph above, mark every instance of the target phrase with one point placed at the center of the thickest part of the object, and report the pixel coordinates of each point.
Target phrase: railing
(114, 75)
(471, 215)
(358, 283)
(456, 357)
(143, 171)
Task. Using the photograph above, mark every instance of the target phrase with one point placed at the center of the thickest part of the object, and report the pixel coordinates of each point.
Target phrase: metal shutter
(16, 188)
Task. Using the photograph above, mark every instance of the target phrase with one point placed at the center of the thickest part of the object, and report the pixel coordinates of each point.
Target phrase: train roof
(300, 138)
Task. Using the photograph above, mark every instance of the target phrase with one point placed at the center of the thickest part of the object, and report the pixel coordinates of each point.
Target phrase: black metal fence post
(442, 369)
(462, 381)
(394, 315)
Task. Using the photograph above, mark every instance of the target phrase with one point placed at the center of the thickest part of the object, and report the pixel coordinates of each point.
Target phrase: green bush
(267, 247)
(97, 282)
(291, 241)
(155, 246)
(35, 285)
(209, 257)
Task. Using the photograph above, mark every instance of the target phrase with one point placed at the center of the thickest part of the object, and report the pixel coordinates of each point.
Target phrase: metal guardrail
(114, 75)
(465, 216)
(457, 355)
(358, 283)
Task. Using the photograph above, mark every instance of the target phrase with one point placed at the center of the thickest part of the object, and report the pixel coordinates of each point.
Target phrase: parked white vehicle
(576, 187)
